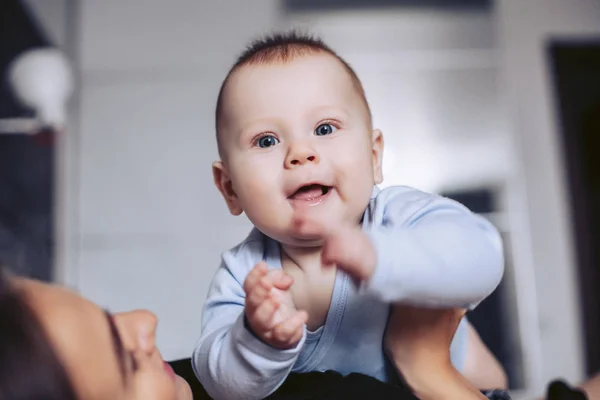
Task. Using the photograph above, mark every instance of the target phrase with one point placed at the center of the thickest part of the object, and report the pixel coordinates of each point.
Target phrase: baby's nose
(300, 154)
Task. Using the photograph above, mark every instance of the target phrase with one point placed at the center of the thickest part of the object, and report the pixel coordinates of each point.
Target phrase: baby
(310, 289)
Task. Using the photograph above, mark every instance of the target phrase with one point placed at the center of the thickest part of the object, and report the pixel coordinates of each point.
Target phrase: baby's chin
(291, 239)
(301, 242)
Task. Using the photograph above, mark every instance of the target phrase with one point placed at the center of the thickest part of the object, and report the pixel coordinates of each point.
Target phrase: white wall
(149, 224)
(543, 242)
(431, 79)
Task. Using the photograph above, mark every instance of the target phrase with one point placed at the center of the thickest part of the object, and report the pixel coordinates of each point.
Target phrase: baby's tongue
(308, 193)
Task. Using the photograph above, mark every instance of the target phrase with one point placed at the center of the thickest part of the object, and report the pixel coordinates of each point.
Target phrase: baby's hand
(273, 319)
(345, 246)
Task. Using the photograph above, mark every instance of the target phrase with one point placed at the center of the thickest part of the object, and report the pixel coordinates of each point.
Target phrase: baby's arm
(422, 250)
(432, 251)
(480, 366)
(468, 251)
(417, 341)
(229, 360)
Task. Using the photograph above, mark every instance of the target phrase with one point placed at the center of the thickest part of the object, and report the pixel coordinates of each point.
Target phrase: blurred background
(107, 140)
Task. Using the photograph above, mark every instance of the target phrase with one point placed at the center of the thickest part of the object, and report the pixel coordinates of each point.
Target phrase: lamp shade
(42, 79)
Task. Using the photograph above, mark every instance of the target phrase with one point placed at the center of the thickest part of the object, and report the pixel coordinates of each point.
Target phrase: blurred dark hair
(29, 367)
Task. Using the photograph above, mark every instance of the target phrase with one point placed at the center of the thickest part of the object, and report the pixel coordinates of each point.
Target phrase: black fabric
(559, 390)
(328, 385)
(497, 394)
(311, 386)
(331, 385)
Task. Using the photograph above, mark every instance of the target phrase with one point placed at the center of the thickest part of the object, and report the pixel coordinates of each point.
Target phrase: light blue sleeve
(230, 362)
(432, 251)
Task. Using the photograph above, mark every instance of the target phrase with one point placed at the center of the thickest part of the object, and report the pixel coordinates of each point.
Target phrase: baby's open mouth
(310, 192)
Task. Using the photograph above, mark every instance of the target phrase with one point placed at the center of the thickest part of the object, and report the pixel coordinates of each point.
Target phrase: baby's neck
(304, 258)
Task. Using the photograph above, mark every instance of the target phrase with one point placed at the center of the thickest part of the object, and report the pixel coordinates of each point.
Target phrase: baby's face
(297, 141)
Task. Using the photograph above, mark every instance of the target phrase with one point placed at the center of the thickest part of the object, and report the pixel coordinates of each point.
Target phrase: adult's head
(55, 345)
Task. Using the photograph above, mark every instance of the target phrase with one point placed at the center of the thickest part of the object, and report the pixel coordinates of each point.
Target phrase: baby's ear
(225, 186)
(377, 151)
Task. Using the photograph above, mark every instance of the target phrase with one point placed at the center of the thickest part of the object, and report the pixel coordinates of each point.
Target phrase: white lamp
(42, 79)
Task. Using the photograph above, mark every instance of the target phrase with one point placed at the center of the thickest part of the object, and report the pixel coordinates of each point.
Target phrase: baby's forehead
(321, 76)
(310, 66)
(287, 87)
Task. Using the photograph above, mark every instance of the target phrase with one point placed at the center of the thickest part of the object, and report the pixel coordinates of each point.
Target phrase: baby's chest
(312, 293)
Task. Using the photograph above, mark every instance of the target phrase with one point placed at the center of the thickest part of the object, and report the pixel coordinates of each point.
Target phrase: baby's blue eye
(267, 141)
(325, 129)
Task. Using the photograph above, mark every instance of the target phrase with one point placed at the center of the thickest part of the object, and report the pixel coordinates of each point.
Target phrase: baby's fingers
(259, 293)
(254, 276)
(280, 279)
(262, 318)
(289, 332)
